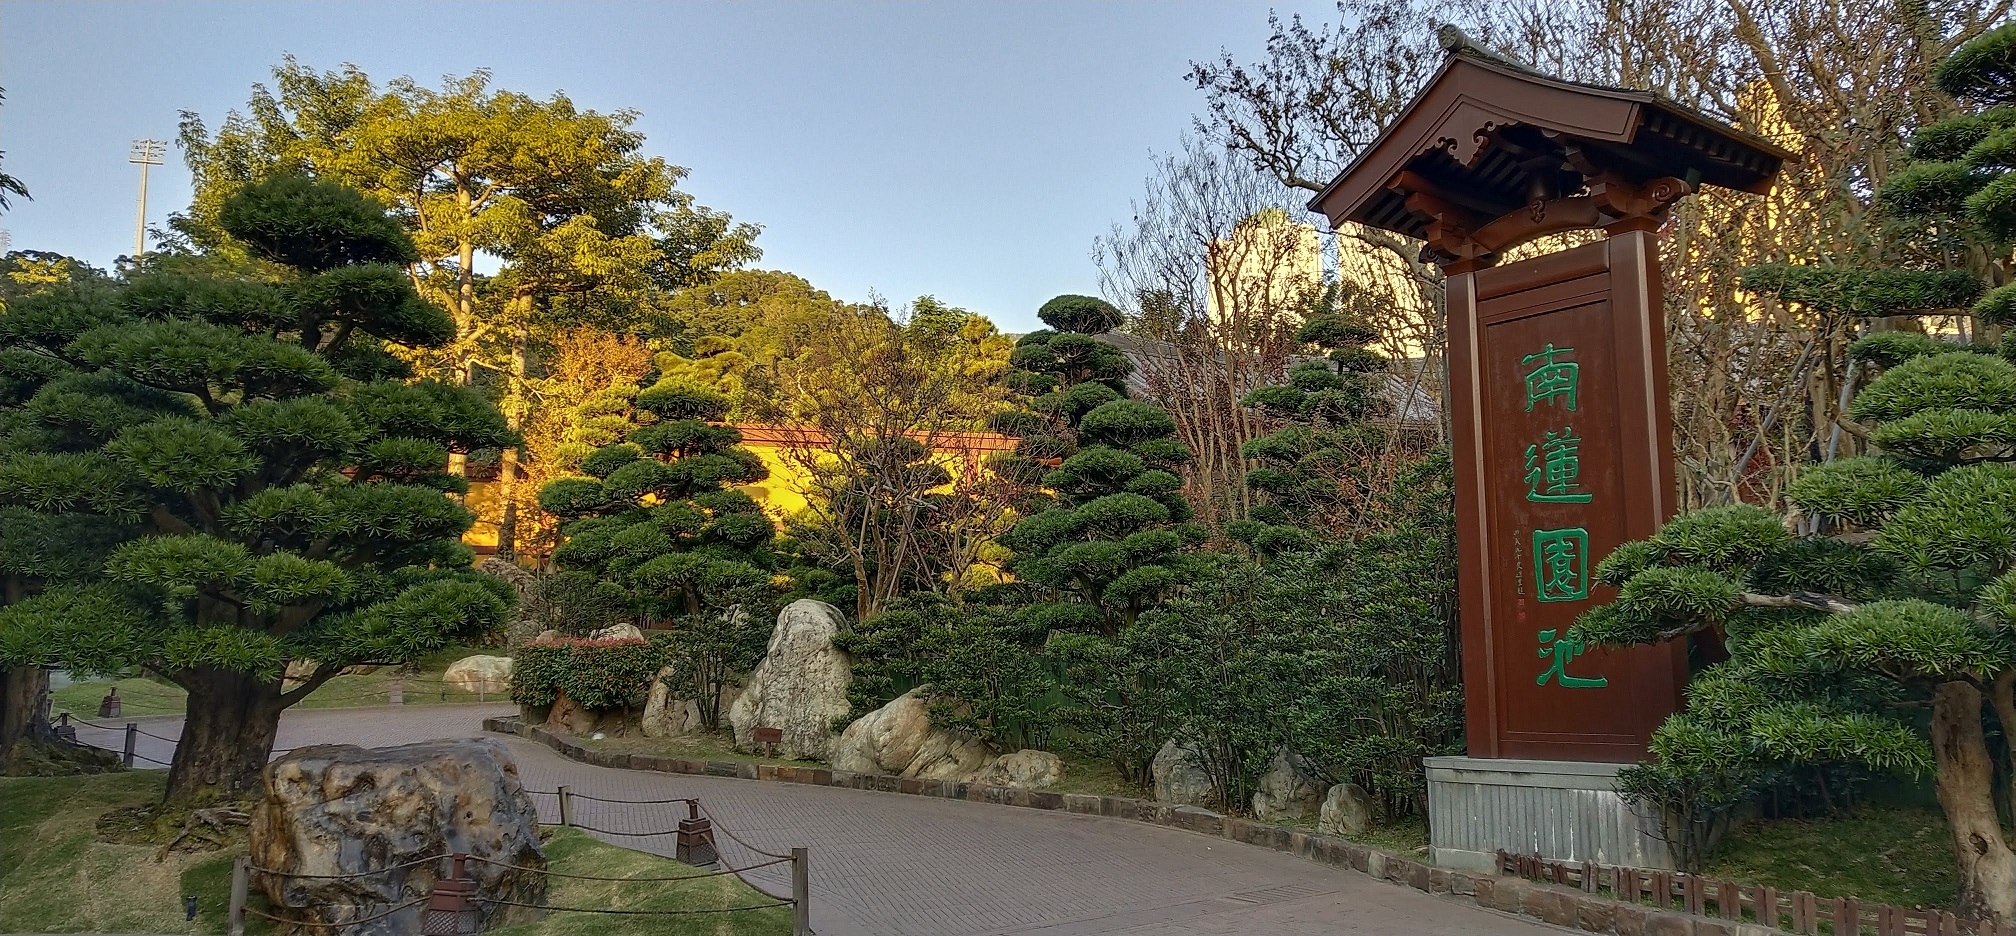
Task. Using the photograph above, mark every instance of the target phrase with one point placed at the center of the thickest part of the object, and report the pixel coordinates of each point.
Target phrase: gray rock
(1347, 810)
(1025, 770)
(1179, 778)
(800, 686)
(480, 673)
(666, 715)
(336, 809)
(618, 632)
(900, 739)
(1286, 791)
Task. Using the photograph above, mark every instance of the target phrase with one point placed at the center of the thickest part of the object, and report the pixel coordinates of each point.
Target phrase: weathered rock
(1286, 791)
(800, 686)
(297, 670)
(570, 717)
(900, 739)
(1026, 770)
(1179, 778)
(526, 621)
(664, 715)
(337, 809)
(479, 673)
(618, 632)
(1347, 810)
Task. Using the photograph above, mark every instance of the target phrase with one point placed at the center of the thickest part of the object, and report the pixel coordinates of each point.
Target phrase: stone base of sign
(1563, 810)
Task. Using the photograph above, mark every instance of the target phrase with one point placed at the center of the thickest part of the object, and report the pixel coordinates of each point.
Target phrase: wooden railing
(1794, 912)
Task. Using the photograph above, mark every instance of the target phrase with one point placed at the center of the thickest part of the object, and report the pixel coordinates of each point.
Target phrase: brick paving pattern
(904, 865)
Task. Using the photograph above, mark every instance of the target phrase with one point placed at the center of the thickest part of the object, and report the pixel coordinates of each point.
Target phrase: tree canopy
(211, 477)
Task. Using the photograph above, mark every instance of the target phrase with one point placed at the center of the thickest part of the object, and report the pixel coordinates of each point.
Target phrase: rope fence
(694, 844)
(239, 928)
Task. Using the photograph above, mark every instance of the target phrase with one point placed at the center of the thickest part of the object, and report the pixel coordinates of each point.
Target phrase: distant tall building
(1268, 262)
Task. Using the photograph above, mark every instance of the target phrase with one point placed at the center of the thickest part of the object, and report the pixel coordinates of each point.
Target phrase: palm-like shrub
(246, 484)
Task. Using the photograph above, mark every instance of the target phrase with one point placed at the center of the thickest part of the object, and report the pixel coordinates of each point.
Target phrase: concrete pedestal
(1564, 810)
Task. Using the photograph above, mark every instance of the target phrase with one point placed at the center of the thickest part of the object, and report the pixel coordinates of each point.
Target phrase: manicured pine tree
(654, 515)
(1315, 473)
(278, 486)
(1885, 638)
(1109, 538)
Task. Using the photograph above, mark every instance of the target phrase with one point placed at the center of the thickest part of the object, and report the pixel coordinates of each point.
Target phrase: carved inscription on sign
(1560, 457)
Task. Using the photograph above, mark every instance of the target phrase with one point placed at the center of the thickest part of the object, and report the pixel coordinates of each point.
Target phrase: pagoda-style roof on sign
(1492, 153)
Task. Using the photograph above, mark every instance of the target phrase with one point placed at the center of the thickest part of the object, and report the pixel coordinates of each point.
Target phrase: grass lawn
(139, 695)
(57, 877)
(1899, 855)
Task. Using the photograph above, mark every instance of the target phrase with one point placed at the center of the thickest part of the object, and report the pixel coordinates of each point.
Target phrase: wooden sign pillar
(1562, 437)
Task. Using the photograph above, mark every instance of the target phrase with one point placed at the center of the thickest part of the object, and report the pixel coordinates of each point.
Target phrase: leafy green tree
(586, 229)
(654, 515)
(281, 497)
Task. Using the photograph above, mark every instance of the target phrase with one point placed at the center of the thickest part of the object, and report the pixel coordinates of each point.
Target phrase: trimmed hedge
(598, 674)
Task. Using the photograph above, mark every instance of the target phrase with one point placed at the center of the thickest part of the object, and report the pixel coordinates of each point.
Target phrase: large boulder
(1180, 777)
(900, 739)
(800, 687)
(1286, 791)
(1347, 810)
(665, 714)
(479, 674)
(1026, 770)
(337, 809)
(567, 716)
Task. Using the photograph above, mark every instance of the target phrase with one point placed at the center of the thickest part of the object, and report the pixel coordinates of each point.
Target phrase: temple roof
(1493, 136)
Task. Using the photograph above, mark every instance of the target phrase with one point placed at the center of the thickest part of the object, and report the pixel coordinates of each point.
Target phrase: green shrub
(598, 674)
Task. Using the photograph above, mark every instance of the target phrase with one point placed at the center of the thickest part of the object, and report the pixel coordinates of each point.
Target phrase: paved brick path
(891, 864)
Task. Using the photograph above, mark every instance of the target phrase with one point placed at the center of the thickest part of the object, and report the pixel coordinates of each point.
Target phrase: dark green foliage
(1322, 467)
(1116, 535)
(656, 520)
(1864, 293)
(311, 225)
(1086, 315)
(1982, 71)
(597, 674)
(985, 667)
(198, 479)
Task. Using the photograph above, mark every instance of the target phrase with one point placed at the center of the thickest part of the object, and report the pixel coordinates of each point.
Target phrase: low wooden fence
(1793, 912)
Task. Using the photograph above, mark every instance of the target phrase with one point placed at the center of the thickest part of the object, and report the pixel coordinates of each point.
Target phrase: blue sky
(971, 151)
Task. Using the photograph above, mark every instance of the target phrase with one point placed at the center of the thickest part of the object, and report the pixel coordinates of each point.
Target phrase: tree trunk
(1966, 786)
(227, 736)
(22, 691)
(507, 468)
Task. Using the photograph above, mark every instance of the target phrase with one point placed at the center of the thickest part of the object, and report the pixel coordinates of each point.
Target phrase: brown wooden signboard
(1563, 451)
(1558, 397)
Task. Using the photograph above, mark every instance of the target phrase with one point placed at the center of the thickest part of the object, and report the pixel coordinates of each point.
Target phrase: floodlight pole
(145, 153)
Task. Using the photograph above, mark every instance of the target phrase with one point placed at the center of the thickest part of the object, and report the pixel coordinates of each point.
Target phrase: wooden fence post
(801, 894)
(132, 739)
(240, 880)
(566, 807)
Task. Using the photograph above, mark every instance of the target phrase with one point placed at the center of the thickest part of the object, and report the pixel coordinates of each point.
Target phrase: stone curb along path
(1553, 904)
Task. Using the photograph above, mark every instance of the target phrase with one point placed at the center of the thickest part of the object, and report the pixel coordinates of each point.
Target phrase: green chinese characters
(1559, 651)
(1553, 476)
